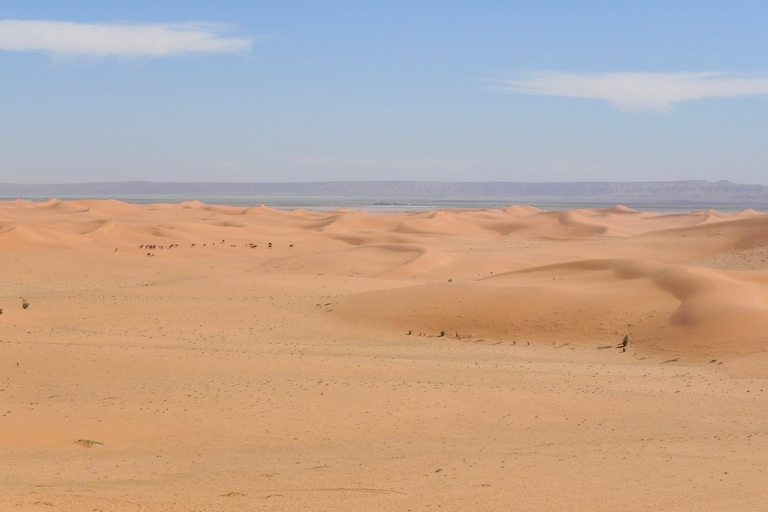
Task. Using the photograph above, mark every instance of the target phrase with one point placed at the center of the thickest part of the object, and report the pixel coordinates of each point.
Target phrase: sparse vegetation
(88, 443)
(24, 303)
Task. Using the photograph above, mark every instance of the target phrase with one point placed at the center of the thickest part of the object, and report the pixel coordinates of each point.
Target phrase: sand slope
(199, 357)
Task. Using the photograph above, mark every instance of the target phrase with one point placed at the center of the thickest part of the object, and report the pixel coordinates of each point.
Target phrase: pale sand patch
(170, 359)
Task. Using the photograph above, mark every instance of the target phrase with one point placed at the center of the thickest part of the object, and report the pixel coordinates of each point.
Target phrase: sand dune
(665, 298)
(201, 357)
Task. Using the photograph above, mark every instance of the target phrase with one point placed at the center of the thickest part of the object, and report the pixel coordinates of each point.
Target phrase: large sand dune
(197, 357)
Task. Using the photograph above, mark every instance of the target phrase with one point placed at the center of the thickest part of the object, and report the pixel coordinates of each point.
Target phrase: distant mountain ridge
(639, 192)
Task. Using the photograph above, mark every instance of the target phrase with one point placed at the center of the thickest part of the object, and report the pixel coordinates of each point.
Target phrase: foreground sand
(170, 360)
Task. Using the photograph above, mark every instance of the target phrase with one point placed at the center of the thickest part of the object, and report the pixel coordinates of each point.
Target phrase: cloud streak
(123, 40)
(637, 91)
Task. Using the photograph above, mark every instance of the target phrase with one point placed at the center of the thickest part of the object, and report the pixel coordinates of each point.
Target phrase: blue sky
(317, 91)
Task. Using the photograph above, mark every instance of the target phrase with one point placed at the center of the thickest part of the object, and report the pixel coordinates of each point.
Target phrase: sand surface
(170, 359)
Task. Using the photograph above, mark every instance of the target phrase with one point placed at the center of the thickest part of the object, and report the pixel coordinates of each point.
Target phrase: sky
(256, 91)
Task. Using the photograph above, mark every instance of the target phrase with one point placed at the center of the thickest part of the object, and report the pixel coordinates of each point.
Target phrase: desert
(185, 357)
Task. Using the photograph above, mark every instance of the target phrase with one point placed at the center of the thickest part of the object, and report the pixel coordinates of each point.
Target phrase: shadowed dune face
(686, 283)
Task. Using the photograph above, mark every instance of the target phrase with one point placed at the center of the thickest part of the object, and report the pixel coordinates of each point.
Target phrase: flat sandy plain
(171, 360)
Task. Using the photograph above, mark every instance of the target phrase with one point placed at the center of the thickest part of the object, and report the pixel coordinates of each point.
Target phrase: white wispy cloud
(124, 40)
(637, 91)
